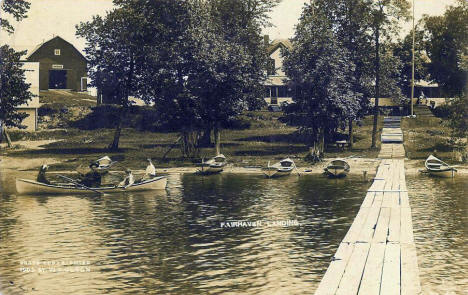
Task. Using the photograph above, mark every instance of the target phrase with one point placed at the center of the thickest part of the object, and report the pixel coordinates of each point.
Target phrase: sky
(47, 18)
(285, 15)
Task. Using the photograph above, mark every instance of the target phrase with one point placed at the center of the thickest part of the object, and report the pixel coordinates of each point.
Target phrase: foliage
(115, 52)
(322, 72)
(403, 50)
(445, 40)
(458, 119)
(16, 8)
(14, 91)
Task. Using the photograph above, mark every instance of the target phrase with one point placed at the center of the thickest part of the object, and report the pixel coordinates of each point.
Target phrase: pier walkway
(378, 254)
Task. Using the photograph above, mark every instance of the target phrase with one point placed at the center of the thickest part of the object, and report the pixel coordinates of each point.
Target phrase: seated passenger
(150, 171)
(92, 178)
(128, 180)
(41, 177)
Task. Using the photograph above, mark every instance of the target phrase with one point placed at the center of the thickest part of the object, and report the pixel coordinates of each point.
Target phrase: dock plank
(381, 230)
(370, 282)
(351, 280)
(335, 271)
(394, 225)
(409, 270)
(391, 270)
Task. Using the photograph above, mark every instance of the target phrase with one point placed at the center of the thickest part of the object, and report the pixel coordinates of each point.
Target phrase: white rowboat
(337, 168)
(213, 165)
(282, 168)
(31, 187)
(439, 168)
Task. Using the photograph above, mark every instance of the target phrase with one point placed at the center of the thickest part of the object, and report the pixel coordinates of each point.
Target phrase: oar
(81, 185)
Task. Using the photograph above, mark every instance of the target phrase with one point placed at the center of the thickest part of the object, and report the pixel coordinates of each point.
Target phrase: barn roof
(53, 38)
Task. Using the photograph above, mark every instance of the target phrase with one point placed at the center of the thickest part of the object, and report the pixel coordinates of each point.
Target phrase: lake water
(185, 240)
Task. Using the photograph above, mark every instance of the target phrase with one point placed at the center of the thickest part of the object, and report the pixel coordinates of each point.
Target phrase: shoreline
(358, 166)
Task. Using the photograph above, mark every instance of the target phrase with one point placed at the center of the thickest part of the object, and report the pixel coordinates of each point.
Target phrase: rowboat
(337, 168)
(213, 165)
(28, 187)
(282, 168)
(439, 168)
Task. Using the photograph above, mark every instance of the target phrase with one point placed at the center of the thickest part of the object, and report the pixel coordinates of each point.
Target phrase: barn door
(57, 79)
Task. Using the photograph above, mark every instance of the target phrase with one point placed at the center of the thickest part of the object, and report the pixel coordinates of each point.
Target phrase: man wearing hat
(41, 177)
(92, 178)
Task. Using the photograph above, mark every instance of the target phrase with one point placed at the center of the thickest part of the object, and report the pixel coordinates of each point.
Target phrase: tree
(322, 71)
(115, 45)
(17, 9)
(384, 17)
(445, 39)
(403, 50)
(14, 91)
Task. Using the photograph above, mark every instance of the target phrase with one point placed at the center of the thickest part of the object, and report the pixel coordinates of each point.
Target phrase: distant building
(30, 108)
(276, 85)
(61, 65)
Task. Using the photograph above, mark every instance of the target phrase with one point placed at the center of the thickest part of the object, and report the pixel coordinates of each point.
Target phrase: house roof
(53, 38)
(277, 43)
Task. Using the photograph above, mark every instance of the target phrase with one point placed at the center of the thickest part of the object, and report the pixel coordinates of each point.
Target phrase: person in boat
(150, 171)
(92, 178)
(128, 180)
(41, 176)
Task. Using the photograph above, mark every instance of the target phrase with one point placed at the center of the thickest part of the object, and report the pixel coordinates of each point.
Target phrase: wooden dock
(378, 255)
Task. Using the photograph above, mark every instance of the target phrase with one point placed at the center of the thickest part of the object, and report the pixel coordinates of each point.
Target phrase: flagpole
(412, 68)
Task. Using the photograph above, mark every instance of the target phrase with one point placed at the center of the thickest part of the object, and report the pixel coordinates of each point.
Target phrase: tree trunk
(114, 146)
(377, 85)
(217, 137)
(189, 143)
(205, 140)
(7, 136)
(350, 133)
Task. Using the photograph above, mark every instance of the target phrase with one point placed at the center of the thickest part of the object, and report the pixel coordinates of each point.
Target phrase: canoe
(26, 186)
(281, 168)
(436, 167)
(213, 165)
(337, 168)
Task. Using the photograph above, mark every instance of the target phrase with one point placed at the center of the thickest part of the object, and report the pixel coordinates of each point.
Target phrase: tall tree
(114, 52)
(14, 91)
(445, 39)
(384, 18)
(322, 71)
(403, 50)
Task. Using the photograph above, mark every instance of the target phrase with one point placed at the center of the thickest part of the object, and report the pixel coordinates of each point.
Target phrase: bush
(442, 111)
(50, 109)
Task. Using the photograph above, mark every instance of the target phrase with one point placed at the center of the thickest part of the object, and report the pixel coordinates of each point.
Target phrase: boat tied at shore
(439, 168)
(337, 168)
(213, 165)
(281, 168)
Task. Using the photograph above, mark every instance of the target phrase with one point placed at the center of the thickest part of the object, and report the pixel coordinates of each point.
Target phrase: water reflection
(173, 243)
(439, 208)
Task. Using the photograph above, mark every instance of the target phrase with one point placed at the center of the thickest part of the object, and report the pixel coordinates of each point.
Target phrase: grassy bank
(267, 139)
(425, 135)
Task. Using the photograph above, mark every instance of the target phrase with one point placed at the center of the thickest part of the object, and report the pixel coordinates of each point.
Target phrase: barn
(61, 65)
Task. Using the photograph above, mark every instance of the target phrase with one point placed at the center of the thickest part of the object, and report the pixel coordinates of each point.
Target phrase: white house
(276, 88)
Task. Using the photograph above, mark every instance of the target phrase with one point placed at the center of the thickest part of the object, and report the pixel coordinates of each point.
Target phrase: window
(282, 91)
(59, 67)
(57, 52)
(271, 69)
